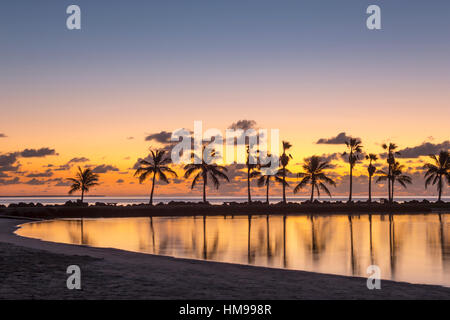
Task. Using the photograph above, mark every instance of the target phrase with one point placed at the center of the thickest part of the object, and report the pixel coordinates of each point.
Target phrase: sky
(311, 69)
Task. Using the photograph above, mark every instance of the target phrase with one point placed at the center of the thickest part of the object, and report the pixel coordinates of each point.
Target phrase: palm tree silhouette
(315, 176)
(354, 151)
(391, 161)
(204, 170)
(284, 159)
(252, 172)
(395, 175)
(440, 168)
(157, 167)
(84, 179)
(371, 170)
(267, 174)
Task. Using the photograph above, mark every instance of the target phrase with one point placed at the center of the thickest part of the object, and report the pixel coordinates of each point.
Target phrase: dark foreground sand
(33, 269)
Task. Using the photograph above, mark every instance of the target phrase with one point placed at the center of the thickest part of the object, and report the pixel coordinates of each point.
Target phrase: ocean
(124, 200)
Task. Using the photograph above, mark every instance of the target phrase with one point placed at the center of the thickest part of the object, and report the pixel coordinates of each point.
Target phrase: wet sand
(34, 269)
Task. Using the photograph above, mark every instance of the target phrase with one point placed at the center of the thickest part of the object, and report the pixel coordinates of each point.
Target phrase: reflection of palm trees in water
(213, 251)
(250, 254)
(269, 250)
(84, 237)
(152, 230)
(284, 242)
(352, 252)
(392, 245)
(320, 236)
(164, 239)
(73, 232)
(82, 231)
(313, 239)
(205, 249)
(444, 248)
(372, 260)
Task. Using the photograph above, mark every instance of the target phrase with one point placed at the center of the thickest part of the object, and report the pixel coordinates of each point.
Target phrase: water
(411, 248)
(124, 200)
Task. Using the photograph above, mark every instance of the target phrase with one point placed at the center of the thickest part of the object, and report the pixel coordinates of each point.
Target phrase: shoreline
(36, 269)
(101, 210)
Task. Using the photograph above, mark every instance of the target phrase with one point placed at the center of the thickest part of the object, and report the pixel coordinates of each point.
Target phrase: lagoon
(412, 248)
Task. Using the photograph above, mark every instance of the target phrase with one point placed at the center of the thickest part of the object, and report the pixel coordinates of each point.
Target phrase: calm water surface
(412, 248)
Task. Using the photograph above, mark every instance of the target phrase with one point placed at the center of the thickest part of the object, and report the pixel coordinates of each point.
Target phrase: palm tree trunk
(351, 182)
(153, 188)
(389, 183)
(248, 185)
(370, 188)
(284, 184)
(204, 189)
(312, 193)
(267, 191)
(82, 195)
(392, 190)
(440, 187)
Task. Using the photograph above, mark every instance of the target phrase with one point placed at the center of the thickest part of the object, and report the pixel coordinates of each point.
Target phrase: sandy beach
(34, 269)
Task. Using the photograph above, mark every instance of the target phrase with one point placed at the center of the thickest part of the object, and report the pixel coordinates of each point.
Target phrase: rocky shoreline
(77, 210)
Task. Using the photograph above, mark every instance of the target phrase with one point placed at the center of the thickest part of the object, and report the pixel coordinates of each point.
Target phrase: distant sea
(124, 200)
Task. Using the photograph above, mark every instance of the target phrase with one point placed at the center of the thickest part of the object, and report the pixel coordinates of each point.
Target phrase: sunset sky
(93, 97)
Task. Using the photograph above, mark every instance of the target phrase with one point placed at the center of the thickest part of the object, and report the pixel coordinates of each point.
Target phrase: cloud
(162, 137)
(63, 167)
(62, 183)
(5, 182)
(78, 160)
(7, 162)
(424, 149)
(42, 152)
(331, 156)
(2, 135)
(243, 124)
(104, 168)
(120, 181)
(130, 138)
(36, 182)
(341, 138)
(48, 173)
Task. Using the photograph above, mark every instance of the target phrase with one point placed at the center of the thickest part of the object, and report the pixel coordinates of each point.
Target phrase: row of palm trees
(313, 173)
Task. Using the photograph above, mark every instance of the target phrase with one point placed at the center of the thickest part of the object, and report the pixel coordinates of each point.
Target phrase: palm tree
(395, 175)
(205, 170)
(391, 161)
(84, 179)
(371, 170)
(315, 176)
(266, 175)
(440, 168)
(284, 159)
(156, 167)
(252, 172)
(354, 151)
